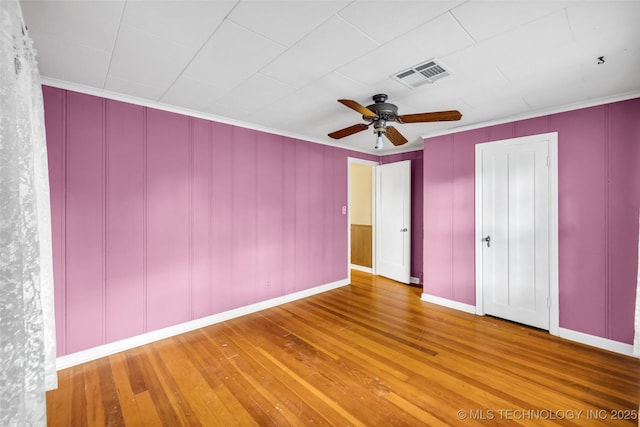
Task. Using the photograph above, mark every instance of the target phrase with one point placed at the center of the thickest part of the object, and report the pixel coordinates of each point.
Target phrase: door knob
(488, 240)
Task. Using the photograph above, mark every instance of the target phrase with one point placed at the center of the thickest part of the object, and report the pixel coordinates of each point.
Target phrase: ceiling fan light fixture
(379, 128)
(379, 143)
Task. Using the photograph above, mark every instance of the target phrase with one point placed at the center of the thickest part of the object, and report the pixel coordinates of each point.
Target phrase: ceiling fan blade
(437, 116)
(348, 131)
(357, 107)
(394, 136)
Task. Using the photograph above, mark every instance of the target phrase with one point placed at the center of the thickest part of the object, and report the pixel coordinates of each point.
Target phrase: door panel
(393, 244)
(515, 216)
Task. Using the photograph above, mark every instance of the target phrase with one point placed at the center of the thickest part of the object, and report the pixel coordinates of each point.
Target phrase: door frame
(373, 164)
(554, 294)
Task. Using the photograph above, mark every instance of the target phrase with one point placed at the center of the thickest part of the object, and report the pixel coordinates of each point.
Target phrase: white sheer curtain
(27, 330)
(636, 338)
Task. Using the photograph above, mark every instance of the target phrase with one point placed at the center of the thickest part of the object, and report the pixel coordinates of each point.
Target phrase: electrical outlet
(414, 280)
(344, 210)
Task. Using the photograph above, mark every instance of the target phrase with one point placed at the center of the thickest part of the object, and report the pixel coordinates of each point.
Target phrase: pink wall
(159, 218)
(599, 200)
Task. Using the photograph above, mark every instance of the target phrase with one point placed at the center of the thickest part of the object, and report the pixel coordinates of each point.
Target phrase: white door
(515, 224)
(393, 210)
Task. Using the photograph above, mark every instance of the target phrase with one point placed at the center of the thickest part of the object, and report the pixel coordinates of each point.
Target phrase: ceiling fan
(380, 113)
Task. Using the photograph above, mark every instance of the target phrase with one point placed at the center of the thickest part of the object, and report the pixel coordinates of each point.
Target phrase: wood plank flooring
(367, 354)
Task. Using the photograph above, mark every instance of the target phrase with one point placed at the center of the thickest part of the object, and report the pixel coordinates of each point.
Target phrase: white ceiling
(281, 65)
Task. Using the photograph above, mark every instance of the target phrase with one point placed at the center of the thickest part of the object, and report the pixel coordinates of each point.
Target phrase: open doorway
(361, 214)
(380, 218)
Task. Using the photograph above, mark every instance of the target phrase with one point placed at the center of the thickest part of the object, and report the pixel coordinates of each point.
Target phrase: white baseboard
(149, 337)
(360, 268)
(449, 303)
(599, 342)
(128, 343)
(568, 334)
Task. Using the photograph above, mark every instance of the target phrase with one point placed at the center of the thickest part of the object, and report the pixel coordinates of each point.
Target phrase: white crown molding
(115, 96)
(539, 113)
(88, 90)
(149, 337)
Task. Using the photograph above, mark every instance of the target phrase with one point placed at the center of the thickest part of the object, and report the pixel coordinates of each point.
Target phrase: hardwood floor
(366, 354)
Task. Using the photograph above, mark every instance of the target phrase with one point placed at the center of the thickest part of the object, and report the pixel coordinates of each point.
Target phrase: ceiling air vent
(427, 72)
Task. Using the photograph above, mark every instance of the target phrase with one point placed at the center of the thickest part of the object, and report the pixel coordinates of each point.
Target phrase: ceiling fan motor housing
(384, 111)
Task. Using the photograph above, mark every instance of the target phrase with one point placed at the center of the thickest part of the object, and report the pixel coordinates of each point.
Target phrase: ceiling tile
(146, 59)
(67, 61)
(606, 28)
(538, 96)
(335, 83)
(443, 94)
(380, 63)
(533, 48)
(189, 23)
(384, 21)
(93, 24)
(135, 89)
(255, 93)
(498, 108)
(545, 42)
(321, 99)
(309, 103)
(396, 90)
(482, 96)
(485, 19)
(191, 94)
(471, 59)
(231, 56)
(619, 74)
(296, 67)
(226, 112)
(337, 42)
(284, 22)
(548, 66)
(542, 38)
(436, 38)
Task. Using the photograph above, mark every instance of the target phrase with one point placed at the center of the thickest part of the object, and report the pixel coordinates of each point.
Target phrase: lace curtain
(27, 334)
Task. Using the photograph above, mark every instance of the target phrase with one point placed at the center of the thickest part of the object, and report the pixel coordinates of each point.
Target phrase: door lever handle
(404, 230)
(488, 240)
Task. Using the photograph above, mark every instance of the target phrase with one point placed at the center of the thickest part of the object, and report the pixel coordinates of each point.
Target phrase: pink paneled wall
(159, 218)
(599, 201)
(124, 222)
